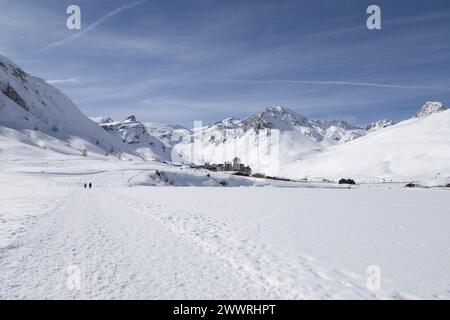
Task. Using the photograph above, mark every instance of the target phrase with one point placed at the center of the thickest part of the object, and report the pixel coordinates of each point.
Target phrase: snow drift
(188, 179)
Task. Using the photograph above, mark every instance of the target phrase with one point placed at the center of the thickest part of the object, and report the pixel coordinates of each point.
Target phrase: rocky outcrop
(14, 96)
(430, 108)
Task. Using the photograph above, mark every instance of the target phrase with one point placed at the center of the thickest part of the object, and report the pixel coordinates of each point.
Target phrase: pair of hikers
(86, 185)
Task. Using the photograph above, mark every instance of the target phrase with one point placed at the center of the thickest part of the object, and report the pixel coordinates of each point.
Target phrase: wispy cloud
(345, 83)
(422, 18)
(216, 62)
(93, 25)
(64, 81)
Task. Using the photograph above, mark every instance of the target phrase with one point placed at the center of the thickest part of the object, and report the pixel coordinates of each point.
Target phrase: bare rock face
(374, 126)
(430, 108)
(8, 72)
(14, 96)
(131, 119)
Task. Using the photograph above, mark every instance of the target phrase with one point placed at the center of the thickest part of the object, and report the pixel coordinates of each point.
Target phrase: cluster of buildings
(236, 166)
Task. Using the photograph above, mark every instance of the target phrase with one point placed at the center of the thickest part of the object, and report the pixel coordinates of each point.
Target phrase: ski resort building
(236, 166)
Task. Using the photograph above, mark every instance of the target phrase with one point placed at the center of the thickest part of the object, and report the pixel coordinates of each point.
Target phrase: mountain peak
(102, 119)
(276, 117)
(278, 109)
(131, 118)
(429, 108)
(282, 111)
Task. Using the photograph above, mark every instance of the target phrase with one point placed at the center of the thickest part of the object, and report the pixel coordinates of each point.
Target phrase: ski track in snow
(121, 254)
(290, 279)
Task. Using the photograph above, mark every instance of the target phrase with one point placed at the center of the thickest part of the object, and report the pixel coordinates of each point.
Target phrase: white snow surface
(149, 241)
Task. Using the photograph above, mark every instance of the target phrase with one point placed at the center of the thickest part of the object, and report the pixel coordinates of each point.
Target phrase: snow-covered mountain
(257, 140)
(266, 140)
(170, 134)
(284, 119)
(136, 135)
(417, 148)
(35, 113)
(278, 141)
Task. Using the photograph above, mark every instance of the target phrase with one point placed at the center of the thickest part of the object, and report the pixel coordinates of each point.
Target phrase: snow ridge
(374, 126)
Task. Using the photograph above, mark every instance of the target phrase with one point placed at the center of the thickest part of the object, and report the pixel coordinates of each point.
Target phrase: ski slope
(291, 241)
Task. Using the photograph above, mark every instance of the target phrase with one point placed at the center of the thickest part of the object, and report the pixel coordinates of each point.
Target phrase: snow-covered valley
(158, 224)
(275, 241)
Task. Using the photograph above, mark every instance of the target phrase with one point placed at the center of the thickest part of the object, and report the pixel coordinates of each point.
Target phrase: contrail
(345, 83)
(59, 81)
(92, 26)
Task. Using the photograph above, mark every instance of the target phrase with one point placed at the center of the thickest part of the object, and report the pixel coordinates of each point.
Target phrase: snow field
(127, 239)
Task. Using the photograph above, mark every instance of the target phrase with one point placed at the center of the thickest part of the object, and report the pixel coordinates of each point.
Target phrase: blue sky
(179, 61)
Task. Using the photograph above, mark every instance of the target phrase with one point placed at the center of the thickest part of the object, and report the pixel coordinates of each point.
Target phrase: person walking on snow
(85, 185)
(90, 185)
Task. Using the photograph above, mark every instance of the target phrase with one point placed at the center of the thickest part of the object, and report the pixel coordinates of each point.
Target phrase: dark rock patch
(14, 96)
